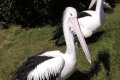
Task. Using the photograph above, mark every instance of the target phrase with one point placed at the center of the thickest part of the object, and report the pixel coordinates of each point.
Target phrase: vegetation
(34, 13)
(17, 44)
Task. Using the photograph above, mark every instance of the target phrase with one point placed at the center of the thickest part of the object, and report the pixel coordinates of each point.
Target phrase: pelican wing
(58, 32)
(40, 68)
(83, 14)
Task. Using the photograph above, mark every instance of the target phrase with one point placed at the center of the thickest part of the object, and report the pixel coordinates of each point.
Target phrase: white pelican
(54, 65)
(90, 24)
(89, 20)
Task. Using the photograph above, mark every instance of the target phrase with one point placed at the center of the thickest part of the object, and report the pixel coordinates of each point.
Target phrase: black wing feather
(29, 65)
(57, 33)
(82, 14)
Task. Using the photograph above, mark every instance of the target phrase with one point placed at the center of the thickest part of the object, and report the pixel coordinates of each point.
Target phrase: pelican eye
(71, 14)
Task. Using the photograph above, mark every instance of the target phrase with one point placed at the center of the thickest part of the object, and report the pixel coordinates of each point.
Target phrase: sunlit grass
(105, 52)
(17, 44)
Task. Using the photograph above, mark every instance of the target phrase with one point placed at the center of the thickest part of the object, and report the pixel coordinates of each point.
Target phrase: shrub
(32, 13)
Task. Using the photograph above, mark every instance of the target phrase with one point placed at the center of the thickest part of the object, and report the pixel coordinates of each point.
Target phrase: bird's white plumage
(52, 53)
(44, 70)
(62, 64)
(66, 62)
(90, 24)
(54, 63)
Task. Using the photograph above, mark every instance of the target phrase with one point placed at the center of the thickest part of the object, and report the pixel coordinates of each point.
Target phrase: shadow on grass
(103, 57)
(95, 37)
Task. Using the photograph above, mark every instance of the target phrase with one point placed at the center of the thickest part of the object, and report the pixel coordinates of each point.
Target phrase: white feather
(52, 66)
(52, 53)
(91, 24)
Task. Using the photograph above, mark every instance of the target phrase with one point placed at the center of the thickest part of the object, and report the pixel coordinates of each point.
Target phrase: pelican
(90, 24)
(54, 65)
(90, 21)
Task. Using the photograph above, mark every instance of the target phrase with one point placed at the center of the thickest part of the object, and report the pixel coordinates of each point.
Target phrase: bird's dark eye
(71, 14)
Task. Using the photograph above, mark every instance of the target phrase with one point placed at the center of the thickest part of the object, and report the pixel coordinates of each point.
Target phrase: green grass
(17, 44)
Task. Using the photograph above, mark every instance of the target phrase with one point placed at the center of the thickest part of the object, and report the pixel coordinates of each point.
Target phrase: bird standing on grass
(90, 21)
(54, 65)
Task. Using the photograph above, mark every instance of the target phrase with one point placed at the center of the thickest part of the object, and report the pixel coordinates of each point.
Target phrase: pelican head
(70, 19)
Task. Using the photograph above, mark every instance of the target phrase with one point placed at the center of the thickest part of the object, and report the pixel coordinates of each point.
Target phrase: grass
(17, 44)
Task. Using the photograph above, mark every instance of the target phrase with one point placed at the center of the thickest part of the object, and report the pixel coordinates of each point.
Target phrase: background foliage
(32, 13)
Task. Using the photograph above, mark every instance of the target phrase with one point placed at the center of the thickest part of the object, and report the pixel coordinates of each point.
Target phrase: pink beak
(92, 3)
(81, 39)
